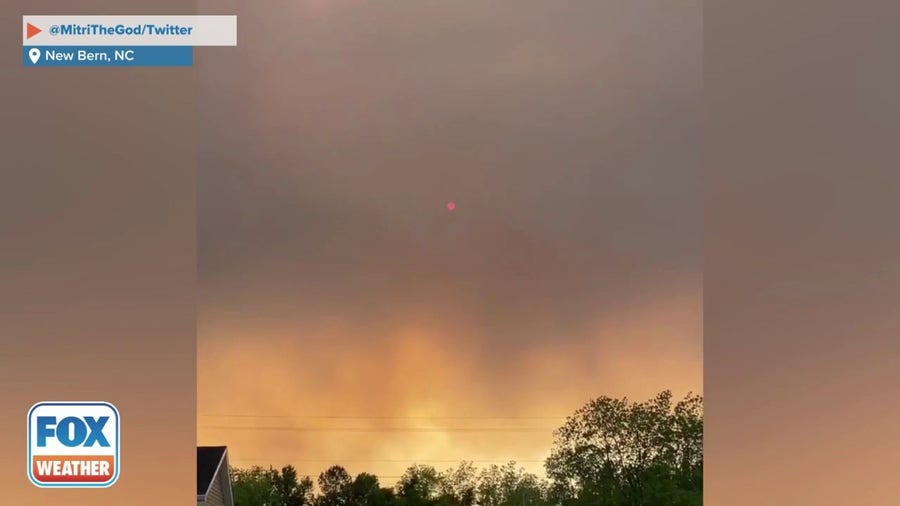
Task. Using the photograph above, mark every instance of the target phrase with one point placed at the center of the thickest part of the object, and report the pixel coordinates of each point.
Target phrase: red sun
(451, 206)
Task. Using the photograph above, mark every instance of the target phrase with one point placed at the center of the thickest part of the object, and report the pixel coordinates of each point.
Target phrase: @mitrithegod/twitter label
(73, 444)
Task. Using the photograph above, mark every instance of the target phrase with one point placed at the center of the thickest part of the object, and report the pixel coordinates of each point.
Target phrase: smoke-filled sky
(339, 293)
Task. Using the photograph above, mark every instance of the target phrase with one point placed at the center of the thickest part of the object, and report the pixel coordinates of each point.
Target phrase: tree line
(610, 452)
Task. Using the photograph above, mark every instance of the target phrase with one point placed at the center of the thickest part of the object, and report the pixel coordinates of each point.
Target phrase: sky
(346, 308)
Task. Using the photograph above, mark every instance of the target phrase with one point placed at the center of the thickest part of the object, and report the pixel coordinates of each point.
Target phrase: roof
(208, 460)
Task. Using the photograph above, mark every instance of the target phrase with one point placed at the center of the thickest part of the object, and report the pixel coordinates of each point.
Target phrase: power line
(383, 429)
(317, 473)
(395, 461)
(348, 417)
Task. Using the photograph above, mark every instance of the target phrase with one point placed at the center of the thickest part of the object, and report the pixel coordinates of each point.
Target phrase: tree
(459, 485)
(490, 487)
(293, 492)
(254, 486)
(615, 452)
(334, 483)
(367, 491)
(419, 485)
(510, 485)
(269, 487)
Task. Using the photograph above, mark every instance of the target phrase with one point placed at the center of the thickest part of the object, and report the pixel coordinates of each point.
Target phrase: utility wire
(382, 429)
(394, 461)
(313, 476)
(345, 417)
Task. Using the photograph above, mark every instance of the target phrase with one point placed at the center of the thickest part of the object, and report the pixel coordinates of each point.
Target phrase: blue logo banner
(108, 56)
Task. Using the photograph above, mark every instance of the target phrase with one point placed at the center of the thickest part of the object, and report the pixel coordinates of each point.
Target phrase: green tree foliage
(335, 486)
(252, 487)
(459, 486)
(610, 452)
(420, 485)
(293, 492)
(367, 491)
(510, 485)
(270, 487)
(615, 452)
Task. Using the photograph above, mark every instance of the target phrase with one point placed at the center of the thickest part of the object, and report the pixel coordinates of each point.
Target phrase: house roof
(208, 460)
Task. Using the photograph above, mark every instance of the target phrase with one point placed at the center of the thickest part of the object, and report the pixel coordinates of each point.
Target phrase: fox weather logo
(73, 444)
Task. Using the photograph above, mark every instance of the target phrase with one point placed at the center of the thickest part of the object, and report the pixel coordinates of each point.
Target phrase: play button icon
(31, 30)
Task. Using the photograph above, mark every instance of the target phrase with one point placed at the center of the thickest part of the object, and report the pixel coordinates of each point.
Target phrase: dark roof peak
(208, 459)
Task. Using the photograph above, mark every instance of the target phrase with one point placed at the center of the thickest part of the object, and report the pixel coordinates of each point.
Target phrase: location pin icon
(35, 54)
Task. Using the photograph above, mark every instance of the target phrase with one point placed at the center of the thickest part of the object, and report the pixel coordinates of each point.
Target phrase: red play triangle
(31, 30)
